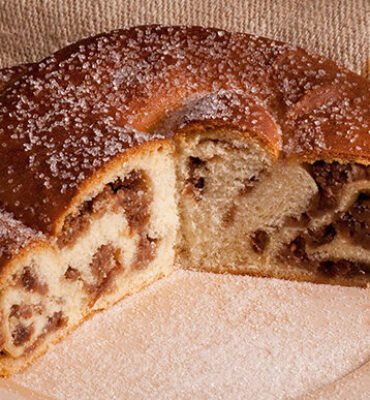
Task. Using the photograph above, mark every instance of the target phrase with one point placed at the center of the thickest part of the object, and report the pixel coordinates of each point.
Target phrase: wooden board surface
(203, 336)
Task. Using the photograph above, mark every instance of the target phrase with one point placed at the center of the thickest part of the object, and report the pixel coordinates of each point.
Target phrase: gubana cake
(136, 152)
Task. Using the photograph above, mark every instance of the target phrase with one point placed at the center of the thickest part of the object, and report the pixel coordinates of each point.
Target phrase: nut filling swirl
(130, 196)
(351, 225)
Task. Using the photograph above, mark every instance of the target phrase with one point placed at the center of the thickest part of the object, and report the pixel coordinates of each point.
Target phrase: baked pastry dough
(132, 153)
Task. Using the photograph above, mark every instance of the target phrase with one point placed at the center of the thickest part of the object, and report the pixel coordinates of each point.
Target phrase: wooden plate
(205, 336)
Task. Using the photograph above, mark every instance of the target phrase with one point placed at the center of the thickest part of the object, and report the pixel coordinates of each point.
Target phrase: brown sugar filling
(21, 311)
(229, 216)
(295, 254)
(104, 267)
(22, 334)
(354, 224)
(197, 170)
(330, 179)
(31, 282)
(132, 194)
(146, 251)
(259, 241)
(342, 268)
(72, 273)
(54, 322)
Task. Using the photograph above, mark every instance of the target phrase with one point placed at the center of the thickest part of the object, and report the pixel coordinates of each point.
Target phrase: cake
(137, 152)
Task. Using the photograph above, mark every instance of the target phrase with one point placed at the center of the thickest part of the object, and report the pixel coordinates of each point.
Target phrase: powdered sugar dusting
(52, 117)
(80, 107)
(13, 236)
(232, 108)
(202, 336)
(7, 75)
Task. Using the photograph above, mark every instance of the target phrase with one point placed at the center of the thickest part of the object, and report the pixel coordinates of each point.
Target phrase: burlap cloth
(252, 332)
(339, 29)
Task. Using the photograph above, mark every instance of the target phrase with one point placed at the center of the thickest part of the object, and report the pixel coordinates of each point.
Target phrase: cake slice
(117, 239)
(246, 210)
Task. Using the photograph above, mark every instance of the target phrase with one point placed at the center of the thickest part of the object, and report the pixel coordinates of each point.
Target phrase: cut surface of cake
(134, 153)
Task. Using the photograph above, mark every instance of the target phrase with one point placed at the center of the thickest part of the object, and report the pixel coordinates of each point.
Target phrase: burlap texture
(339, 29)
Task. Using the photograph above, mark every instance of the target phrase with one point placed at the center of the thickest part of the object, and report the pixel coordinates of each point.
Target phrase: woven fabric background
(338, 29)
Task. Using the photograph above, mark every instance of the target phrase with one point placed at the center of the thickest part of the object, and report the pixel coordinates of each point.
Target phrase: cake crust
(121, 83)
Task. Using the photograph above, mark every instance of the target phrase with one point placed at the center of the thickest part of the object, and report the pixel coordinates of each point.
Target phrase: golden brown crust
(15, 237)
(66, 117)
(11, 74)
(223, 109)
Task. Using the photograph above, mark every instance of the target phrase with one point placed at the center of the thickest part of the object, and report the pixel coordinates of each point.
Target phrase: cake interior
(241, 213)
(214, 201)
(118, 240)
